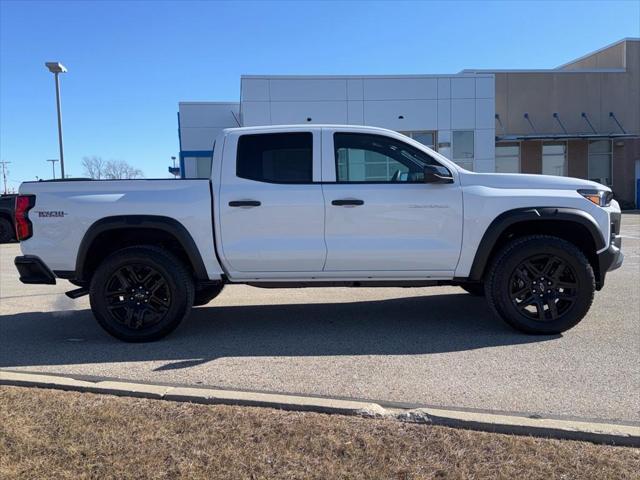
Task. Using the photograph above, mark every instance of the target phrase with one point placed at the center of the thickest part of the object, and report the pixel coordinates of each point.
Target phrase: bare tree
(97, 168)
(119, 169)
(94, 167)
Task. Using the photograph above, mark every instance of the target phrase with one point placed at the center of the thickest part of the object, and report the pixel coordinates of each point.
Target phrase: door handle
(345, 202)
(244, 203)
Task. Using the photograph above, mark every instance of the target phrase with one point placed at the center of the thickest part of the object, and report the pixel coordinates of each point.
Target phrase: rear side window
(276, 157)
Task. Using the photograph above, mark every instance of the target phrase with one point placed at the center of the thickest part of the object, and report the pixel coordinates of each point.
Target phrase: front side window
(463, 148)
(375, 158)
(508, 158)
(554, 158)
(276, 157)
(600, 161)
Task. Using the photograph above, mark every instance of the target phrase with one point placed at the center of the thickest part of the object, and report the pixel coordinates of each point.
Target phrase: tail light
(24, 228)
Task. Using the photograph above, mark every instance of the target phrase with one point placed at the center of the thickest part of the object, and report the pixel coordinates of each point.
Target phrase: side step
(77, 293)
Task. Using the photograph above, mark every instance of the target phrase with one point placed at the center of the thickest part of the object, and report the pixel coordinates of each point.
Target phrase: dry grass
(53, 434)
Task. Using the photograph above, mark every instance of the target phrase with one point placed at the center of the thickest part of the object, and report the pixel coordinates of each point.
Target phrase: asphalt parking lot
(427, 347)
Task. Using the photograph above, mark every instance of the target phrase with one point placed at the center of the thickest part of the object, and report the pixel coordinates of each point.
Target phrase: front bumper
(33, 270)
(611, 258)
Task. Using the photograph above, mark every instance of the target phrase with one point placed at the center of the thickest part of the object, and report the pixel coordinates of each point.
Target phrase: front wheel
(141, 294)
(540, 284)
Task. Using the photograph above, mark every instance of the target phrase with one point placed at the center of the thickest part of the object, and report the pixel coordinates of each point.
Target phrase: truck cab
(336, 204)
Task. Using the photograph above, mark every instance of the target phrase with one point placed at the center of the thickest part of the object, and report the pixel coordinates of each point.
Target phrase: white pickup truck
(312, 205)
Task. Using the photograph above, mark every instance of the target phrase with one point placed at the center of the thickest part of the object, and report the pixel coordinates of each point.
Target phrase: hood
(528, 181)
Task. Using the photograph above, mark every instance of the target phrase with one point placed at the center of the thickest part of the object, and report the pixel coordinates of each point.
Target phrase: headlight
(602, 198)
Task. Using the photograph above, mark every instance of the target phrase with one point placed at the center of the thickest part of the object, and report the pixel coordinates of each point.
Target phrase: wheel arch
(116, 232)
(573, 225)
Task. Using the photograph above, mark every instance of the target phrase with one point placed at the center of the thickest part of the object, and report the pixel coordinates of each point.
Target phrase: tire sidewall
(584, 278)
(169, 267)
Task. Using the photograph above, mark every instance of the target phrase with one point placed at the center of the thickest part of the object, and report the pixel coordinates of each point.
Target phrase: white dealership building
(454, 114)
(580, 119)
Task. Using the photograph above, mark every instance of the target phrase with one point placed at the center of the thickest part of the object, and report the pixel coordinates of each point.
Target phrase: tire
(205, 294)
(146, 315)
(6, 231)
(513, 285)
(475, 289)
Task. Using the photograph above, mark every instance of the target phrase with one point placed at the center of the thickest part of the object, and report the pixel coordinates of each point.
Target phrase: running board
(77, 293)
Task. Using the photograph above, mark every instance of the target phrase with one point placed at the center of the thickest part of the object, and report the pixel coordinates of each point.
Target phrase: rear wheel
(541, 284)
(141, 294)
(6, 231)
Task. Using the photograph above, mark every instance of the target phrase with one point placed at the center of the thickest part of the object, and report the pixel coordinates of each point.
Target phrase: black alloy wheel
(138, 296)
(141, 294)
(540, 284)
(543, 287)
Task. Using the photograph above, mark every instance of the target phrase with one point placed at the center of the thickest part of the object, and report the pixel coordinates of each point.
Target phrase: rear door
(380, 215)
(271, 211)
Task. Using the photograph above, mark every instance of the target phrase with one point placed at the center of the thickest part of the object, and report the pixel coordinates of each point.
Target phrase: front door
(380, 215)
(271, 211)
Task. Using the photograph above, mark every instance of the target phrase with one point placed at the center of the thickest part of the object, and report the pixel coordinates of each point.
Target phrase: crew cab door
(380, 215)
(271, 212)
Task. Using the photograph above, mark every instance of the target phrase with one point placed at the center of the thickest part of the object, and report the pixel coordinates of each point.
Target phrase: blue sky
(130, 63)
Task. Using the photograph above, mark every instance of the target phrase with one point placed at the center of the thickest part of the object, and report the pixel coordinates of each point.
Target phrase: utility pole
(53, 166)
(4, 174)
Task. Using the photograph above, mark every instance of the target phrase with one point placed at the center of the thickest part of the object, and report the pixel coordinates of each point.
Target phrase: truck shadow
(402, 326)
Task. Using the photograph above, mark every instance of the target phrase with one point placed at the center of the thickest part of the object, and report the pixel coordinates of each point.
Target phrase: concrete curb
(614, 434)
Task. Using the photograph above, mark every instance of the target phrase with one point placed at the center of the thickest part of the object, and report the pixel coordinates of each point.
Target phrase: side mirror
(436, 174)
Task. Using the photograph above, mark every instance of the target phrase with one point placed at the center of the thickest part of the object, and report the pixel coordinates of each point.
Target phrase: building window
(424, 137)
(508, 158)
(600, 161)
(375, 158)
(276, 157)
(197, 166)
(463, 148)
(204, 167)
(554, 158)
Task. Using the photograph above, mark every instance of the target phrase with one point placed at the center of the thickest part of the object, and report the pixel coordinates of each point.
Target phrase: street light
(56, 68)
(53, 166)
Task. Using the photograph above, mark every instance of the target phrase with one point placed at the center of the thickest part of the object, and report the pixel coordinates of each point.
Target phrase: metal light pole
(56, 68)
(53, 166)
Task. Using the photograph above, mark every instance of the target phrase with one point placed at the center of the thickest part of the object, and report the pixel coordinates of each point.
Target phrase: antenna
(4, 174)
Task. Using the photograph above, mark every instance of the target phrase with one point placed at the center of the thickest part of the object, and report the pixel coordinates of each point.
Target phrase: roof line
(626, 39)
(207, 103)
(345, 77)
(550, 70)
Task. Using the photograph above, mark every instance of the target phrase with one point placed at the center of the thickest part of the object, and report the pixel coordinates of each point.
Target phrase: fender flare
(506, 219)
(157, 222)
